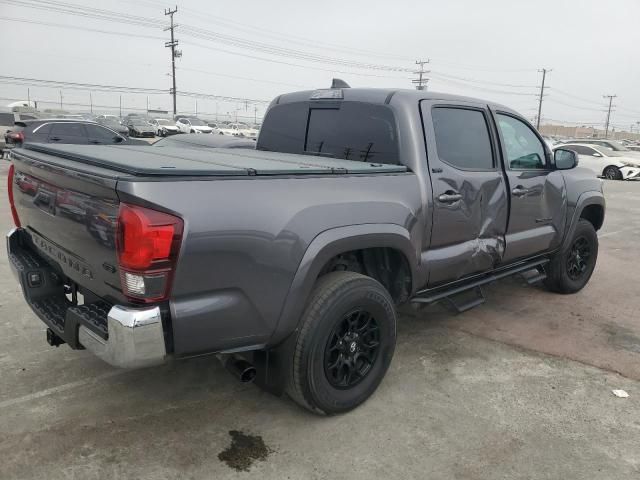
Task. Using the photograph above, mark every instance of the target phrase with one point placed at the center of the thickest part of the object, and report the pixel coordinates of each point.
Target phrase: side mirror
(118, 139)
(565, 159)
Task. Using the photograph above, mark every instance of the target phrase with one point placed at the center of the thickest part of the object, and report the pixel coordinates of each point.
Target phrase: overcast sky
(490, 49)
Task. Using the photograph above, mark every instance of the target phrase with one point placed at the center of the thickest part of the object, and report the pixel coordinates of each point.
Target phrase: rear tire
(345, 343)
(612, 173)
(570, 269)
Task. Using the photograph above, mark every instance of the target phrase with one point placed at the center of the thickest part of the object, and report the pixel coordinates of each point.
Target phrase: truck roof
(172, 161)
(383, 96)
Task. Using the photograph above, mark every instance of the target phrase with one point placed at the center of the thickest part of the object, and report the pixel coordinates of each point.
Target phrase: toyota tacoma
(288, 261)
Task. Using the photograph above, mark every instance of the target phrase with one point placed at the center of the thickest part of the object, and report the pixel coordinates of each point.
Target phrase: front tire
(612, 173)
(345, 343)
(571, 268)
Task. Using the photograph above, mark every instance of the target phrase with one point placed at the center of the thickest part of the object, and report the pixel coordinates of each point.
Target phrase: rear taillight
(17, 137)
(14, 213)
(148, 244)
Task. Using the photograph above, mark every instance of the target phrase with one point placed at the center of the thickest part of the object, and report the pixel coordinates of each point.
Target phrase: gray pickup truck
(288, 261)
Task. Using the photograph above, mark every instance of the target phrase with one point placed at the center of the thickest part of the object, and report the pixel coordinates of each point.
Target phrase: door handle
(449, 197)
(55, 139)
(520, 191)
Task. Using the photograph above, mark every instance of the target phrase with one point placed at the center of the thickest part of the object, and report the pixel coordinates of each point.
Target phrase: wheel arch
(330, 245)
(591, 207)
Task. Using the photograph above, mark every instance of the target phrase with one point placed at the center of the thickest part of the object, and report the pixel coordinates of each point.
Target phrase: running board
(476, 301)
(434, 294)
(537, 277)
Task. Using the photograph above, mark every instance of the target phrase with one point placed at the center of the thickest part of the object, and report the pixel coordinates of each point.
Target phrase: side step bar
(435, 294)
(460, 307)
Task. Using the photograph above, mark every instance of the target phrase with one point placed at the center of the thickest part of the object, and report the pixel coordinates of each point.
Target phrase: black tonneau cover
(168, 161)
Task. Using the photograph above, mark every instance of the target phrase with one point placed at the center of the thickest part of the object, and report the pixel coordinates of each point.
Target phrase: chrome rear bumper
(136, 338)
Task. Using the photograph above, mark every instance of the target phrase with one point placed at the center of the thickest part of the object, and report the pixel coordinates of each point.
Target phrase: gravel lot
(519, 388)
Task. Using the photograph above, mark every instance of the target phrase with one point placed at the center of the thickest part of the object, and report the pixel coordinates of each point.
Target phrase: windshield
(608, 152)
(197, 122)
(618, 147)
(162, 121)
(139, 123)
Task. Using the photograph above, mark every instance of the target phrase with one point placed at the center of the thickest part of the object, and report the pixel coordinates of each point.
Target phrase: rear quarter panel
(245, 239)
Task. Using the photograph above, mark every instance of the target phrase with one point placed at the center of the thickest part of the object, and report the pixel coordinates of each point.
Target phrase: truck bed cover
(148, 161)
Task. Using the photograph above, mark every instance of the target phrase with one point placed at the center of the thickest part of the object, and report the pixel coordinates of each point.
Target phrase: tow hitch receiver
(53, 339)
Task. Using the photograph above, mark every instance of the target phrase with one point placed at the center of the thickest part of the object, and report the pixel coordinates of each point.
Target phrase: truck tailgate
(70, 218)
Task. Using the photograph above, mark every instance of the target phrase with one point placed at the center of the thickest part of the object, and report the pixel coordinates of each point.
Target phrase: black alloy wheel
(352, 349)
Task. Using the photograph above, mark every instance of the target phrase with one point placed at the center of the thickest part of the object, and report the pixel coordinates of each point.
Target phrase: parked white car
(614, 145)
(605, 162)
(193, 125)
(163, 127)
(239, 130)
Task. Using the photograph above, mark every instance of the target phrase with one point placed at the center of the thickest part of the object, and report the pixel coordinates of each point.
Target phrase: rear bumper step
(121, 336)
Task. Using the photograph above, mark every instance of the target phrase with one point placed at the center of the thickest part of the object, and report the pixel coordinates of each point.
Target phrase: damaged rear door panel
(470, 212)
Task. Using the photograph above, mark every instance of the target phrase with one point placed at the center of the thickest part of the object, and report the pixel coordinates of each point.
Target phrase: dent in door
(481, 217)
(540, 220)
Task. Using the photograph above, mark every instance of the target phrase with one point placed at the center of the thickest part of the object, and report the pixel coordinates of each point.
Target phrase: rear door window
(68, 133)
(98, 134)
(580, 150)
(462, 138)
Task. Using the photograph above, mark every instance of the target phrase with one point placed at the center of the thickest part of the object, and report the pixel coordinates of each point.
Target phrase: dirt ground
(518, 388)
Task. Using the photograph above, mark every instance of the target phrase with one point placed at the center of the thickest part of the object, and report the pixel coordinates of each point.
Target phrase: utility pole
(421, 81)
(542, 87)
(60, 99)
(120, 106)
(172, 44)
(255, 114)
(91, 102)
(147, 104)
(28, 97)
(606, 125)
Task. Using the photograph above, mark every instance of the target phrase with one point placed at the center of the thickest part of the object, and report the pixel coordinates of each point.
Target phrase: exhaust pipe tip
(238, 367)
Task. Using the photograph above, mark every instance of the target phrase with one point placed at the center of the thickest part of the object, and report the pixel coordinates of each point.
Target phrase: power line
(119, 89)
(484, 89)
(559, 102)
(485, 82)
(195, 32)
(216, 49)
(575, 97)
(77, 27)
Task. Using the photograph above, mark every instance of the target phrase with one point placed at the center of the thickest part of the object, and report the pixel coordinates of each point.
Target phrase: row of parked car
(79, 132)
(14, 125)
(143, 126)
(610, 159)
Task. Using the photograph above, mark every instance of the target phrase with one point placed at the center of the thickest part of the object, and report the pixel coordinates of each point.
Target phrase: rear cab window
(347, 130)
